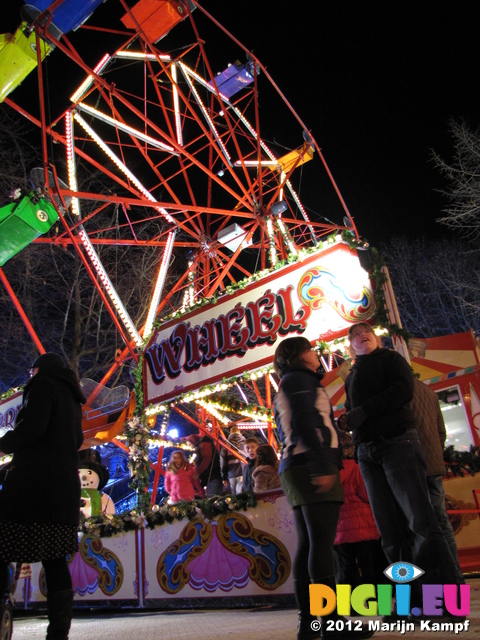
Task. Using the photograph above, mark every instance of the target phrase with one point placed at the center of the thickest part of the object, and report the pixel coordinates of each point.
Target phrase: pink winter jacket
(355, 522)
(180, 485)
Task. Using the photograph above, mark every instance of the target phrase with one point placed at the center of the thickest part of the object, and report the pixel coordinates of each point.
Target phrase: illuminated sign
(9, 407)
(318, 297)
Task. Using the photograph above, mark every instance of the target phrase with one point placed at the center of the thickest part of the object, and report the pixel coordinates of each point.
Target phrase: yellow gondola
(18, 57)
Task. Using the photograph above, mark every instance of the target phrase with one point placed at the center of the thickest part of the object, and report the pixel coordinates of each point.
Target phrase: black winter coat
(42, 484)
(305, 424)
(381, 383)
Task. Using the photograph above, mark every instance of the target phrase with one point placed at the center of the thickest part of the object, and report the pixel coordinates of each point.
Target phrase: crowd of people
(365, 490)
(394, 494)
(213, 473)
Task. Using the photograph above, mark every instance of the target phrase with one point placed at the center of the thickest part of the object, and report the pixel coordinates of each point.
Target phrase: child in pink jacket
(180, 478)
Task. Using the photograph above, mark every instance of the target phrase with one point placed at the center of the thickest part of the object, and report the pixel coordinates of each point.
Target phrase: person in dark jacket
(379, 390)
(230, 465)
(250, 446)
(309, 473)
(208, 466)
(432, 434)
(40, 497)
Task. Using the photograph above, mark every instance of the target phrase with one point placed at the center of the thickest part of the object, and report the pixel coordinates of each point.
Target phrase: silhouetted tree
(463, 176)
(436, 284)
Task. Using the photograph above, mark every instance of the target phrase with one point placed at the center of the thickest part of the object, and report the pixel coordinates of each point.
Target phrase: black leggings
(316, 526)
(57, 575)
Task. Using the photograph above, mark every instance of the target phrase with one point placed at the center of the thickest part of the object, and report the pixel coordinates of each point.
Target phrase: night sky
(376, 83)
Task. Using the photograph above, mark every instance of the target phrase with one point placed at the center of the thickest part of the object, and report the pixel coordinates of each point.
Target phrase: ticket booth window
(459, 434)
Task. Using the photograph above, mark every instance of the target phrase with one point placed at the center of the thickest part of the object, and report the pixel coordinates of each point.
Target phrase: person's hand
(342, 422)
(323, 484)
(355, 417)
(226, 483)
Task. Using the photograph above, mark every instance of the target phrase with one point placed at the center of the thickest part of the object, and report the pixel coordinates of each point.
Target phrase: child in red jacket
(358, 553)
(181, 480)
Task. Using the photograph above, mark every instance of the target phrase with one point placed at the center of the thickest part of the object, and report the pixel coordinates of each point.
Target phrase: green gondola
(23, 221)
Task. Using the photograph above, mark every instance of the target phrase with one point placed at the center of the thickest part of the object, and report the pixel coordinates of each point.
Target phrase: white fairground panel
(239, 554)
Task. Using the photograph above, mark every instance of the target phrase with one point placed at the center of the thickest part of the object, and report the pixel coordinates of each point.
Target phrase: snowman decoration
(93, 477)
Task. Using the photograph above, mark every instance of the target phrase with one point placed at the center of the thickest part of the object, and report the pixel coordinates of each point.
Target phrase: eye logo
(403, 572)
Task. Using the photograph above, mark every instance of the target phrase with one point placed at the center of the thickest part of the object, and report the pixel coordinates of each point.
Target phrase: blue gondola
(235, 77)
(68, 16)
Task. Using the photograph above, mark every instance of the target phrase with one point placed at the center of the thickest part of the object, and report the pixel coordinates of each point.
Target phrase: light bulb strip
(255, 163)
(253, 132)
(198, 395)
(96, 138)
(273, 382)
(87, 83)
(302, 210)
(155, 409)
(273, 160)
(157, 293)
(176, 106)
(71, 167)
(164, 425)
(193, 74)
(206, 84)
(252, 425)
(206, 115)
(211, 406)
(105, 280)
(242, 393)
(287, 237)
(213, 412)
(202, 393)
(271, 243)
(282, 182)
(142, 56)
(184, 301)
(103, 117)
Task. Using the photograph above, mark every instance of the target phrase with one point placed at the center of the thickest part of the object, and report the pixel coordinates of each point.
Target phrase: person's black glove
(355, 418)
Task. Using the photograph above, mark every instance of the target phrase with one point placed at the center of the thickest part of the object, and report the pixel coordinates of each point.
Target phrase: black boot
(308, 626)
(59, 608)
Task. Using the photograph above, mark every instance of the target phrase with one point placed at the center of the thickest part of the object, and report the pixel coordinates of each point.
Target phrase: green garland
(378, 276)
(137, 373)
(108, 525)
(10, 392)
(137, 435)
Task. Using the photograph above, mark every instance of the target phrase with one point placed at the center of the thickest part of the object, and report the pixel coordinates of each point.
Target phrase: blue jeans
(394, 474)
(437, 498)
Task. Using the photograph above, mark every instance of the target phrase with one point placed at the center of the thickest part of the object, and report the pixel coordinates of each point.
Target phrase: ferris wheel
(177, 117)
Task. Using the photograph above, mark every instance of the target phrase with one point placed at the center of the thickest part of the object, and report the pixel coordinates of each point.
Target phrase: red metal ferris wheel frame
(253, 195)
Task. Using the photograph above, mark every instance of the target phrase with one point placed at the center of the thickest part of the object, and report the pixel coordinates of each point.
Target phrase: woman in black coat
(40, 497)
(309, 473)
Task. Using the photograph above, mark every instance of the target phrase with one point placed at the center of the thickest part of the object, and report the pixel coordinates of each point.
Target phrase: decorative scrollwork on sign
(92, 568)
(319, 286)
(282, 520)
(107, 564)
(223, 555)
(172, 574)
